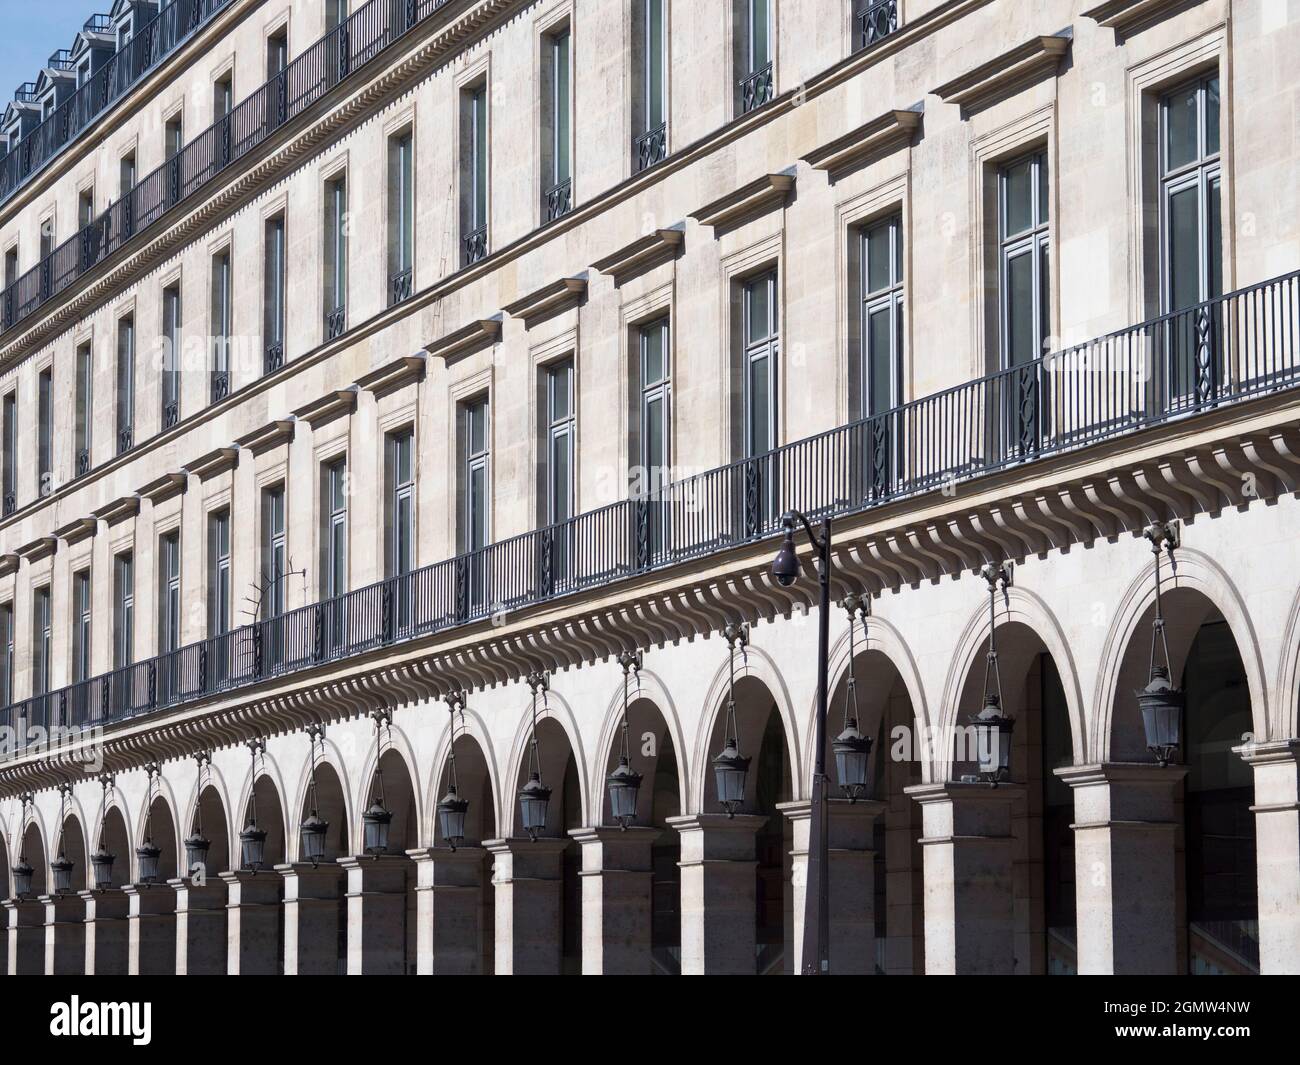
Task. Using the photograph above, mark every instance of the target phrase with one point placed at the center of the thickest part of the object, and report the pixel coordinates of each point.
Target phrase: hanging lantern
(993, 740)
(101, 868)
(196, 852)
(852, 750)
(146, 856)
(730, 771)
(451, 816)
(61, 867)
(375, 822)
(1160, 702)
(22, 878)
(534, 798)
(252, 846)
(624, 784)
(314, 830)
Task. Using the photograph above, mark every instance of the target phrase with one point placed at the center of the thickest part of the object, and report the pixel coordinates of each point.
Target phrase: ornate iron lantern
(624, 783)
(992, 727)
(1160, 702)
(851, 748)
(730, 768)
(377, 818)
(314, 828)
(101, 862)
(61, 867)
(23, 873)
(535, 797)
(451, 807)
(252, 840)
(196, 843)
(147, 854)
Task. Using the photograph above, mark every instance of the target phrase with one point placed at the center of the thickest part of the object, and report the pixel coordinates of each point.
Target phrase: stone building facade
(509, 329)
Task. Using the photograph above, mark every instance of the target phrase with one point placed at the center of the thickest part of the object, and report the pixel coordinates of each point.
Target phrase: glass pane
(879, 361)
(561, 383)
(652, 344)
(760, 407)
(760, 48)
(1180, 128)
(477, 508)
(1022, 344)
(480, 158)
(561, 487)
(879, 269)
(561, 108)
(338, 558)
(756, 325)
(1040, 164)
(1044, 290)
(1215, 238)
(1212, 117)
(654, 438)
(478, 428)
(1017, 198)
(654, 63)
(402, 554)
(1184, 249)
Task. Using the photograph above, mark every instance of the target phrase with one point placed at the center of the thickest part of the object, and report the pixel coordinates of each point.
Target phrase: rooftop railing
(1238, 346)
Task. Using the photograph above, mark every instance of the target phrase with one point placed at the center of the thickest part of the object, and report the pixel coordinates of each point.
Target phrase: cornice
(9, 563)
(883, 134)
(467, 338)
(1004, 73)
(214, 462)
(112, 513)
(654, 247)
(76, 531)
(1124, 15)
(272, 434)
(767, 192)
(331, 405)
(547, 298)
(164, 487)
(393, 375)
(35, 550)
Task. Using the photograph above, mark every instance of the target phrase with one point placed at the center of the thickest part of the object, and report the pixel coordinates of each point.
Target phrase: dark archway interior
(72, 845)
(210, 821)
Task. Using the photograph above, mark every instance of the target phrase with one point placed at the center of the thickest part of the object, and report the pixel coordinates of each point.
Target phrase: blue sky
(32, 30)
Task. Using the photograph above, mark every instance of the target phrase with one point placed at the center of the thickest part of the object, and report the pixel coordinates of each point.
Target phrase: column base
(151, 919)
(65, 935)
(108, 932)
(376, 908)
(254, 923)
(314, 919)
(528, 879)
(617, 872)
(449, 909)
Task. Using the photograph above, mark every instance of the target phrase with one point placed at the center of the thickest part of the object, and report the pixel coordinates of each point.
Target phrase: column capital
(717, 837)
(1136, 795)
(1079, 776)
(1270, 752)
(519, 845)
(447, 856)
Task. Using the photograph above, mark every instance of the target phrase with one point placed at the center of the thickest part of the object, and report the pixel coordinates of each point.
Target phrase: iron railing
(756, 89)
(1222, 351)
(273, 358)
(341, 53)
(559, 199)
(876, 20)
(475, 245)
(399, 286)
(125, 439)
(336, 321)
(150, 44)
(651, 147)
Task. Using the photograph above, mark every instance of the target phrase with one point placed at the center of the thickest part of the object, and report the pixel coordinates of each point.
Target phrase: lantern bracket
(736, 634)
(999, 574)
(1164, 534)
(539, 681)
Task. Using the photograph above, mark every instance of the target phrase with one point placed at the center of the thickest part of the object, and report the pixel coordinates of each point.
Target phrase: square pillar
(967, 860)
(26, 921)
(616, 902)
(851, 873)
(313, 922)
(151, 922)
(254, 923)
(200, 927)
(449, 908)
(107, 932)
(65, 935)
(528, 878)
(1277, 852)
(1127, 874)
(376, 907)
(719, 892)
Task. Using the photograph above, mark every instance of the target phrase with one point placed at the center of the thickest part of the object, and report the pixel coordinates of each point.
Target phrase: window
(474, 185)
(169, 612)
(11, 266)
(221, 281)
(42, 646)
(880, 373)
(85, 379)
(223, 97)
(277, 53)
(557, 174)
(6, 654)
(334, 542)
(45, 432)
(125, 384)
(561, 433)
(651, 127)
(401, 216)
(400, 517)
(755, 45)
(336, 11)
(219, 598)
(171, 367)
(173, 138)
(1024, 264)
(81, 668)
(125, 175)
(85, 207)
(761, 349)
(274, 552)
(336, 256)
(474, 488)
(655, 425)
(123, 610)
(273, 295)
(1191, 241)
(47, 238)
(10, 471)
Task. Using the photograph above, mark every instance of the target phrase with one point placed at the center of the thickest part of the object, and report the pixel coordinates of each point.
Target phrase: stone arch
(478, 779)
(334, 796)
(157, 821)
(116, 837)
(70, 840)
(397, 753)
(559, 721)
(217, 821)
(269, 790)
(32, 847)
(1198, 587)
(1286, 714)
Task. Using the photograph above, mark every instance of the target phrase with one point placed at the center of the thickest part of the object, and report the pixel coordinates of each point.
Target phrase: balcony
(1237, 347)
(61, 60)
(220, 385)
(171, 413)
(273, 358)
(559, 200)
(10, 503)
(474, 245)
(399, 286)
(756, 89)
(876, 21)
(651, 147)
(335, 322)
(125, 439)
(83, 461)
(98, 24)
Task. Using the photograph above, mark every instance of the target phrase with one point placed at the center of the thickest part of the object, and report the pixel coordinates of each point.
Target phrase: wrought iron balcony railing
(345, 50)
(756, 89)
(559, 200)
(125, 439)
(474, 245)
(399, 286)
(83, 461)
(1238, 346)
(274, 357)
(651, 147)
(171, 413)
(10, 503)
(220, 385)
(876, 21)
(336, 321)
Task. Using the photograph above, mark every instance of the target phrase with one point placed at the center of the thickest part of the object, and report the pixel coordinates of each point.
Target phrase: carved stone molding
(1004, 74)
(881, 135)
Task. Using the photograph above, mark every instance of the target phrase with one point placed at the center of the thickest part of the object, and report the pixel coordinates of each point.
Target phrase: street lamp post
(816, 924)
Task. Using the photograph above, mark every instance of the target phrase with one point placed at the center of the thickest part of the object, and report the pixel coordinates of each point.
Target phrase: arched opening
(203, 897)
(256, 893)
(474, 784)
(67, 911)
(316, 923)
(6, 889)
(155, 941)
(761, 736)
(29, 952)
(382, 924)
(71, 845)
(209, 821)
(107, 927)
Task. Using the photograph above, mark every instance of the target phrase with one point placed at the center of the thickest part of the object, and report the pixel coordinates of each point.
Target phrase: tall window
(761, 351)
(45, 431)
(6, 653)
(474, 515)
(336, 11)
(42, 646)
(1024, 261)
(221, 312)
(401, 216)
(561, 433)
(756, 57)
(400, 548)
(656, 394)
(169, 592)
(11, 266)
(219, 598)
(123, 609)
(336, 256)
(274, 569)
(651, 143)
(334, 543)
(557, 173)
(9, 474)
(85, 379)
(273, 295)
(881, 372)
(85, 207)
(81, 626)
(171, 368)
(223, 102)
(173, 136)
(1191, 234)
(277, 53)
(125, 383)
(125, 175)
(474, 142)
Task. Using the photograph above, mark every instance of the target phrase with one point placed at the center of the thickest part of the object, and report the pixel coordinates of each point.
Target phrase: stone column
(65, 935)
(313, 899)
(376, 894)
(108, 934)
(967, 861)
(528, 878)
(1277, 850)
(200, 927)
(449, 907)
(151, 919)
(26, 922)
(1127, 877)
(616, 905)
(718, 892)
(254, 923)
(851, 858)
